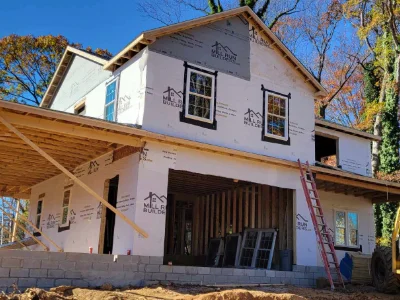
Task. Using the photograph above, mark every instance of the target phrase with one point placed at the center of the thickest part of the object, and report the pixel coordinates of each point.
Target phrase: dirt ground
(186, 292)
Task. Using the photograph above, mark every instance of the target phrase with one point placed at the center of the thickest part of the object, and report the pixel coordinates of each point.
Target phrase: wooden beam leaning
(69, 129)
(37, 229)
(26, 230)
(73, 177)
(9, 234)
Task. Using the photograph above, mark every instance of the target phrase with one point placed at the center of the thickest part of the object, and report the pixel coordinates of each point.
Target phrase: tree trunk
(322, 111)
(378, 129)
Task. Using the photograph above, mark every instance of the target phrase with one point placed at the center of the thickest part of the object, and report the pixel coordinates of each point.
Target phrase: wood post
(14, 233)
(26, 231)
(73, 177)
(37, 229)
(16, 240)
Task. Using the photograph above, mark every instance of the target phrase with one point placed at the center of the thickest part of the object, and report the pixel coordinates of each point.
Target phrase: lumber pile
(361, 272)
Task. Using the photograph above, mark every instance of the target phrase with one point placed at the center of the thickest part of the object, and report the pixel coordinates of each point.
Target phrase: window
(199, 100)
(276, 123)
(200, 90)
(111, 101)
(326, 150)
(346, 229)
(257, 248)
(65, 207)
(275, 127)
(39, 213)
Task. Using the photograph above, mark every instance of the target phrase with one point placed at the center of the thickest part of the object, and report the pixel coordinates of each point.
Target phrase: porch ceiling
(357, 191)
(69, 143)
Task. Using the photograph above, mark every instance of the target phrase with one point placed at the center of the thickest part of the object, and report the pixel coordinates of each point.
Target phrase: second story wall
(353, 152)
(129, 83)
(240, 101)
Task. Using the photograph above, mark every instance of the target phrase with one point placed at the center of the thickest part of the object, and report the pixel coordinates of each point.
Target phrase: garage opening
(326, 150)
(224, 222)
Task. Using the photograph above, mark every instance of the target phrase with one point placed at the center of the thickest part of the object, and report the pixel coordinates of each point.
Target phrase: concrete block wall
(48, 269)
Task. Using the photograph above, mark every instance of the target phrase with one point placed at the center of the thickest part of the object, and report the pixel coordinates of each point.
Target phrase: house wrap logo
(154, 204)
(302, 223)
(252, 118)
(255, 38)
(173, 98)
(223, 52)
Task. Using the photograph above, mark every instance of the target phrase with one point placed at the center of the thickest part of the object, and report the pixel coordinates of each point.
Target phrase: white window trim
(62, 207)
(187, 115)
(41, 213)
(347, 231)
(115, 101)
(283, 138)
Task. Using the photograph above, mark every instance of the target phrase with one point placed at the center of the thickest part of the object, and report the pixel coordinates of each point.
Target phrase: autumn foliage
(27, 64)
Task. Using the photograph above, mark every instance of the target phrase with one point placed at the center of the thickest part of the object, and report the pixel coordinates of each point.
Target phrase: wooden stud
(212, 216)
(217, 214)
(274, 207)
(290, 219)
(207, 222)
(281, 218)
(201, 225)
(259, 207)
(196, 212)
(253, 206)
(240, 209)
(234, 210)
(21, 216)
(223, 225)
(4, 228)
(246, 208)
(228, 211)
(25, 230)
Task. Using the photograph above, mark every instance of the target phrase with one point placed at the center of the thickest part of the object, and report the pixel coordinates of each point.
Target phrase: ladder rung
(321, 216)
(328, 252)
(316, 206)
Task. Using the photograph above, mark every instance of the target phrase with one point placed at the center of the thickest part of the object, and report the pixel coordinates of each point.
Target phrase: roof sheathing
(150, 36)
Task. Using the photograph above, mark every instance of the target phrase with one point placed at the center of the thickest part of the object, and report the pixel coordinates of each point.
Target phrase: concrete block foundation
(28, 269)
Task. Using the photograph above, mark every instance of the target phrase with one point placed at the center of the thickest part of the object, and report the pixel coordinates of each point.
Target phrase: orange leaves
(27, 64)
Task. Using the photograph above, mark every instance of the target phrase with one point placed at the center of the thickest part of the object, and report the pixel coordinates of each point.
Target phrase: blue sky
(95, 23)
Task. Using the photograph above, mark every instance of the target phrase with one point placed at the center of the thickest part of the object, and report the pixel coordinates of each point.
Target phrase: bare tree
(171, 11)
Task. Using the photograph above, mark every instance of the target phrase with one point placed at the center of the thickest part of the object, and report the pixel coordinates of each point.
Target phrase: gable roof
(148, 37)
(62, 68)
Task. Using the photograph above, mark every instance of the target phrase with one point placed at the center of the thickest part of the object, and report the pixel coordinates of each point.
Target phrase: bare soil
(186, 292)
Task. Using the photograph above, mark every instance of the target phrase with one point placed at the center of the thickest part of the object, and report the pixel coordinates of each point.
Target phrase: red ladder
(324, 238)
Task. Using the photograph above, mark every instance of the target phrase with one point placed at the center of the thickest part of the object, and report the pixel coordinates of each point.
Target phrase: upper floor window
(111, 101)
(276, 124)
(276, 117)
(200, 104)
(200, 99)
(346, 229)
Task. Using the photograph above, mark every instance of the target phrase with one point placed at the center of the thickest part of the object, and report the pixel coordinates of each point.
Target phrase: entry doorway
(110, 216)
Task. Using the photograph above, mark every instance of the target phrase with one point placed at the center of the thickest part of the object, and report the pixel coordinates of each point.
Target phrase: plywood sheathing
(90, 135)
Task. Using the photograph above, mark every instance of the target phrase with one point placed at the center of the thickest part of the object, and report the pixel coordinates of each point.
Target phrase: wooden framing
(33, 226)
(73, 177)
(103, 217)
(26, 231)
(16, 240)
